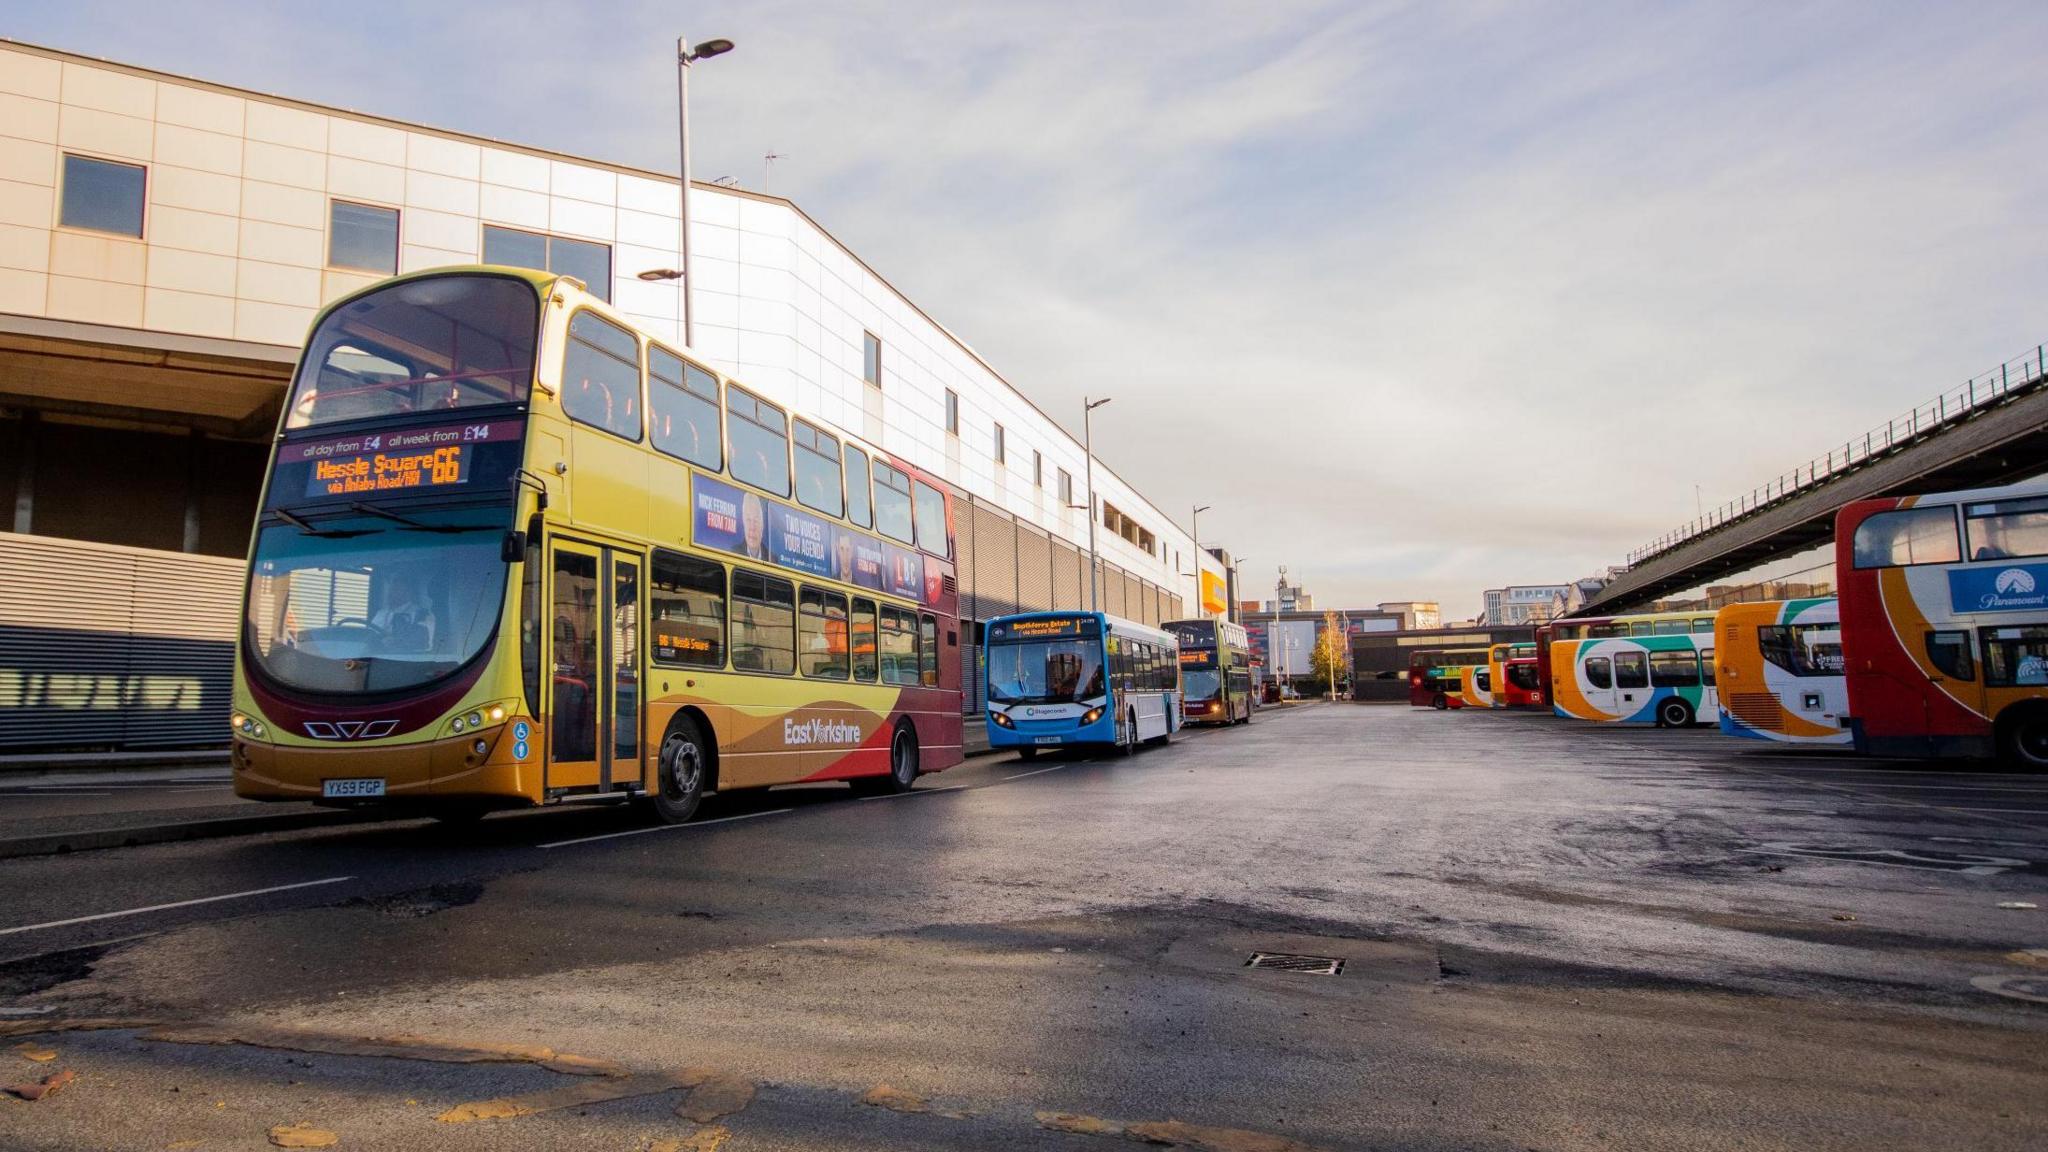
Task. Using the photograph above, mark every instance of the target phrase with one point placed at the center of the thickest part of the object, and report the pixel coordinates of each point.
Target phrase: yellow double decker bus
(512, 550)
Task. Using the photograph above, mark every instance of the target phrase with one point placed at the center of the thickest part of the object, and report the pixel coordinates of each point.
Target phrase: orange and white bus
(1780, 671)
(1512, 676)
(1944, 606)
(512, 550)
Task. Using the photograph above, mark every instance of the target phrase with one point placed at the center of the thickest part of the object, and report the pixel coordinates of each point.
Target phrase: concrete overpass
(1992, 430)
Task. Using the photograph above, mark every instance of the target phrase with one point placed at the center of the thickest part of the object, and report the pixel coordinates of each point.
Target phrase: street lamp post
(1195, 531)
(1235, 588)
(686, 56)
(1088, 408)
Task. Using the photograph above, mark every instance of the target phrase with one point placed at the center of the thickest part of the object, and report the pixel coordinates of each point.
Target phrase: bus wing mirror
(514, 550)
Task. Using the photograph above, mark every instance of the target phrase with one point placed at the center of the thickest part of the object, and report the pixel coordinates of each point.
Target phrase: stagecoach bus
(1215, 671)
(1608, 627)
(1780, 675)
(512, 550)
(1461, 680)
(1511, 676)
(1663, 678)
(1423, 687)
(1065, 679)
(1944, 607)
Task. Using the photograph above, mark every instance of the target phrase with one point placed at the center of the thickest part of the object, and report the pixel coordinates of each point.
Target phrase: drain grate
(1313, 965)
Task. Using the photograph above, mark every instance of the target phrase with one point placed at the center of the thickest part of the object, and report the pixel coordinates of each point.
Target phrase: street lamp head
(1094, 404)
(707, 50)
(653, 274)
(1203, 508)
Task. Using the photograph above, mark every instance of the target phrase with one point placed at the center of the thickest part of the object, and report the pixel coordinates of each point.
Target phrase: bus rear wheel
(1674, 713)
(2023, 740)
(902, 774)
(683, 761)
(1439, 702)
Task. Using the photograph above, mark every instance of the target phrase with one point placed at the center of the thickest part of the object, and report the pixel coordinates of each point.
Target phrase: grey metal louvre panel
(1113, 589)
(1069, 585)
(1148, 594)
(1034, 570)
(963, 567)
(1134, 599)
(995, 563)
(107, 646)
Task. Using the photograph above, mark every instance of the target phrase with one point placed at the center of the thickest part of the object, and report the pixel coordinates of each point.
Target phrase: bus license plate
(351, 789)
(1047, 740)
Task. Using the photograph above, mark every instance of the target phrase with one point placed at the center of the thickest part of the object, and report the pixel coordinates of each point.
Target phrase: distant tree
(1326, 660)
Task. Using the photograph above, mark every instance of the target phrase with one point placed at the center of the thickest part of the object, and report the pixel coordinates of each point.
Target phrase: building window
(1066, 487)
(1037, 468)
(362, 237)
(952, 412)
(871, 358)
(1001, 453)
(102, 196)
(588, 262)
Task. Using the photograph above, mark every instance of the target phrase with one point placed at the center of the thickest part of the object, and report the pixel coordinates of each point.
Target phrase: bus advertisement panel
(1944, 610)
(511, 550)
(1665, 680)
(1215, 671)
(1066, 679)
(1780, 674)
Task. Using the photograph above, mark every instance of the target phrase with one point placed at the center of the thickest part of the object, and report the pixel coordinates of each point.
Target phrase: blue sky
(1464, 294)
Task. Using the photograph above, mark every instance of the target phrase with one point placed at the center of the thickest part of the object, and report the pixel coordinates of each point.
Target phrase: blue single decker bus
(1067, 679)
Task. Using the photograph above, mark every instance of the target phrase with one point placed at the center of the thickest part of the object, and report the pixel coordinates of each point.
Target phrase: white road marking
(174, 904)
(918, 792)
(1033, 772)
(2020, 788)
(2004, 811)
(664, 828)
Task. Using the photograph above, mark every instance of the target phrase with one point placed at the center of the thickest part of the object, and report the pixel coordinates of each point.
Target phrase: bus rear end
(1780, 671)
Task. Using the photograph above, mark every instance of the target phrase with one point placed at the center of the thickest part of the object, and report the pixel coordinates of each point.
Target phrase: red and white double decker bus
(1944, 607)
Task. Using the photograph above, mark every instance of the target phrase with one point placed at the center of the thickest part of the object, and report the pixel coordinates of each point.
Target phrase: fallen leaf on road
(716, 1095)
(1186, 1135)
(49, 1085)
(1076, 1122)
(2017, 905)
(29, 1051)
(1844, 916)
(705, 1139)
(895, 1099)
(302, 1136)
(571, 1096)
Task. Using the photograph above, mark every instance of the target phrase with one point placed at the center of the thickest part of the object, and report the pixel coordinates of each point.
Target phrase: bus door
(1599, 683)
(593, 705)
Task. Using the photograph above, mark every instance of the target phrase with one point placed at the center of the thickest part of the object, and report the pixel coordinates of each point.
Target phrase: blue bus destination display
(732, 519)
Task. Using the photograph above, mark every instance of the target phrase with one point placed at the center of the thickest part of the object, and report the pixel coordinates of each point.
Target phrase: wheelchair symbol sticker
(519, 733)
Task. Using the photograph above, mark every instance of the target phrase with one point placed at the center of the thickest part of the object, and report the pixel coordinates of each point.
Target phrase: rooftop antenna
(768, 168)
(727, 181)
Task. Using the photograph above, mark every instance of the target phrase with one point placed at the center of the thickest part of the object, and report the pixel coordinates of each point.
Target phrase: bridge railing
(2025, 373)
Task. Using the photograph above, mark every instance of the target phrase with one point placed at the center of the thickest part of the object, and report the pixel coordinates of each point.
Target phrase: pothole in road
(419, 902)
(32, 974)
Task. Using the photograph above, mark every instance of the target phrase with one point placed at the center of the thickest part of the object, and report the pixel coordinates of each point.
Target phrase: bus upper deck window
(601, 376)
(759, 433)
(682, 402)
(2008, 529)
(818, 480)
(1908, 536)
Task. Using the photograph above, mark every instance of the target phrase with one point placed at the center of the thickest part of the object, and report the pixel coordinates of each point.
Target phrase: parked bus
(1605, 627)
(1424, 690)
(1512, 676)
(1780, 674)
(512, 550)
(1944, 609)
(1066, 679)
(1650, 678)
(1460, 680)
(1215, 671)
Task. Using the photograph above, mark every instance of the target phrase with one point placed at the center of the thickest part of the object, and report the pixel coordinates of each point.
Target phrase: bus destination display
(367, 472)
(1043, 629)
(405, 460)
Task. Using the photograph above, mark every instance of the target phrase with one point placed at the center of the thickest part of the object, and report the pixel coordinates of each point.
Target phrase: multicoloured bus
(1606, 627)
(512, 550)
(1459, 679)
(1215, 671)
(1944, 608)
(1664, 679)
(1511, 675)
(1780, 671)
(1065, 679)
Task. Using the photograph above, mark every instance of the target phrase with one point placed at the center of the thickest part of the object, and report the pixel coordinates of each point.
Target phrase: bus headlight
(1091, 716)
(248, 726)
(476, 719)
(1001, 719)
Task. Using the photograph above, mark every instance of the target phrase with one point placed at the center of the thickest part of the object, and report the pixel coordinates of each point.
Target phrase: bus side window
(859, 510)
(821, 634)
(682, 399)
(899, 646)
(1600, 672)
(1707, 667)
(864, 649)
(1949, 652)
(1908, 536)
(928, 651)
(601, 376)
(687, 599)
(763, 623)
(1630, 670)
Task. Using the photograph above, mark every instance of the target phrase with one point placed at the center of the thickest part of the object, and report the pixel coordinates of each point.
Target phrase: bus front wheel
(902, 774)
(1027, 753)
(1674, 713)
(683, 763)
(2023, 739)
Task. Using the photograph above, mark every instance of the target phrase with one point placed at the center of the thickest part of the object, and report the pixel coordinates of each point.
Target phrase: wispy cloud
(1467, 295)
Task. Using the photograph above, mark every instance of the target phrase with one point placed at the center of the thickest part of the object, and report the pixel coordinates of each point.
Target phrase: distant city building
(1520, 604)
(1416, 615)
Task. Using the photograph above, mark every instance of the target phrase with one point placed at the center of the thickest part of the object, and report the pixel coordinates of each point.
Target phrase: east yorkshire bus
(1944, 609)
(1215, 671)
(512, 550)
(1780, 675)
(1066, 679)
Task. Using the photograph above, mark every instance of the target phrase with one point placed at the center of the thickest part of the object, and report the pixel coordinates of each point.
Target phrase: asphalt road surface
(1553, 937)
